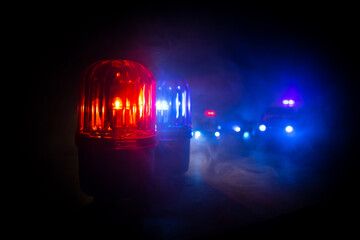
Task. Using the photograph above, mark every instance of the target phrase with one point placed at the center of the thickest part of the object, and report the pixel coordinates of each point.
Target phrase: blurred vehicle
(224, 135)
(279, 127)
(213, 128)
(207, 127)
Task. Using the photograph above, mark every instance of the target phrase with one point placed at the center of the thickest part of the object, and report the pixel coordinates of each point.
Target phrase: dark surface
(231, 57)
(223, 194)
(113, 174)
(178, 150)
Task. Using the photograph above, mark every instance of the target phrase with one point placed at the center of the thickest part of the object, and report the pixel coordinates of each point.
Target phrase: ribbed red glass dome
(117, 101)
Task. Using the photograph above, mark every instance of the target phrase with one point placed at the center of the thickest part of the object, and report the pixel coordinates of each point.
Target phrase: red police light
(117, 102)
(116, 129)
(210, 113)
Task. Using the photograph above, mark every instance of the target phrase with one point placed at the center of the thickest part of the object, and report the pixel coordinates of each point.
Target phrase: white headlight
(289, 129)
(262, 127)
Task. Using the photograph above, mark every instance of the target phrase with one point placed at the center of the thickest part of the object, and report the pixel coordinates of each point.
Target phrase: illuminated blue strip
(183, 104)
(177, 106)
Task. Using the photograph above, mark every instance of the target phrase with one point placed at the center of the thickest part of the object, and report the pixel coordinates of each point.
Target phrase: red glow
(210, 113)
(118, 108)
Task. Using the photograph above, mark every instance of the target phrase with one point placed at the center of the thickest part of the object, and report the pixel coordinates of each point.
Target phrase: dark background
(235, 57)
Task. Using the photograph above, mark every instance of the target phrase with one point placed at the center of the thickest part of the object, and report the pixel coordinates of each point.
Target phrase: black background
(55, 43)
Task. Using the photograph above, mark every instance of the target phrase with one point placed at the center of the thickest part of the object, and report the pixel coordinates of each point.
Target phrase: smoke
(267, 183)
(236, 66)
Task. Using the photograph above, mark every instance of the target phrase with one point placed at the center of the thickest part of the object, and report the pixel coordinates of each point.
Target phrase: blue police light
(173, 113)
(236, 128)
(289, 102)
(246, 135)
(217, 134)
(262, 127)
(289, 129)
(197, 134)
(173, 116)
